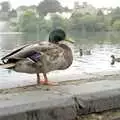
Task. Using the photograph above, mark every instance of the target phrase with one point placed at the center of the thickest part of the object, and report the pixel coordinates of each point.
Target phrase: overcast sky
(69, 3)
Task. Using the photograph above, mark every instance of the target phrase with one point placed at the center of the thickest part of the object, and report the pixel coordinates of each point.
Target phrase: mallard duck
(84, 52)
(114, 59)
(81, 52)
(42, 57)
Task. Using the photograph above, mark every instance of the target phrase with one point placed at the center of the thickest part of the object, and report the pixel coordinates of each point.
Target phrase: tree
(57, 21)
(85, 4)
(116, 25)
(32, 7)
(115, 11)
(5, 6)
(76, 14)
(66, 9)
(49, 6)
(76, 5)
(27, 22)
(115, 15)
(13, 13)
(22, 8)
(100, 13)
(89, 22)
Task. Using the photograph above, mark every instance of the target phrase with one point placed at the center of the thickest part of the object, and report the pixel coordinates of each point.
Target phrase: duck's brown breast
(67, 55)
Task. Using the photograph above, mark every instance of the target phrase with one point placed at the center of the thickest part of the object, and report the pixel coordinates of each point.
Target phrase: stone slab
(61, 102)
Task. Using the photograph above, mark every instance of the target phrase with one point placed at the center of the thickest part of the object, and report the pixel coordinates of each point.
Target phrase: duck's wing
(17, 50)
(49, 56)
(34, 52)
(13, 52)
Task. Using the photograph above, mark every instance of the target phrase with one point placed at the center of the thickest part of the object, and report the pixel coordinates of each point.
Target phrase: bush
(116, 25)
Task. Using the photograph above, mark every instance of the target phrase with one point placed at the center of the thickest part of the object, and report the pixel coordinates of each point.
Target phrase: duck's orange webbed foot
(45, 82)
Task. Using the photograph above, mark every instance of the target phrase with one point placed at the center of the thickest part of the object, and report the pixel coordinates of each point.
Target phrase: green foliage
(116, 25)
(22, 7)
(12, 13)
(4, 16)
(57, 21)
(115, 11)
(28, 22)
(75, 21)
(115, 15)
(34, 21)
(87, 22)
(100, 13)
(5, 6)
(49, 6)
(4, 12)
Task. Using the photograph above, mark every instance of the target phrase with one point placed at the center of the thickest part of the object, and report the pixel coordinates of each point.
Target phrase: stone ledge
(61, 102)
(97, 102)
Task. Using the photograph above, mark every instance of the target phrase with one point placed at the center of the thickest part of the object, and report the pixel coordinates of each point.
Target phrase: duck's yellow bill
(70, 40)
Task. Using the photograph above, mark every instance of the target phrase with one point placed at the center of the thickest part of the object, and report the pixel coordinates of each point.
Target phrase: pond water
(101, 45)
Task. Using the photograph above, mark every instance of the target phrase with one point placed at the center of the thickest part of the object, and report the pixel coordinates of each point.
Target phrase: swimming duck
(84, 52)
(42, 57)
(81, 52)
(114, 59)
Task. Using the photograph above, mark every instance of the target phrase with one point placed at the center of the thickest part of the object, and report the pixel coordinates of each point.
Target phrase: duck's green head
(58, 35)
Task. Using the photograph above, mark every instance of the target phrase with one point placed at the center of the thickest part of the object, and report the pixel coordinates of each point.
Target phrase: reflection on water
(4, 26)
(101, 46)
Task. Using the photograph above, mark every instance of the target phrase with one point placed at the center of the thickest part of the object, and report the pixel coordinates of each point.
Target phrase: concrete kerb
(61, 103)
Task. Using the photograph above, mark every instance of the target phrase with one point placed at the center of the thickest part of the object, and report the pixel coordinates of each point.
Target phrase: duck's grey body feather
(40, 58)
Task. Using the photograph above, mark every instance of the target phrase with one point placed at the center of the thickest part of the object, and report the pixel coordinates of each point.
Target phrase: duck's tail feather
(7, 65)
